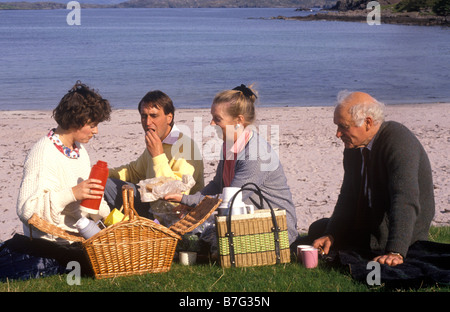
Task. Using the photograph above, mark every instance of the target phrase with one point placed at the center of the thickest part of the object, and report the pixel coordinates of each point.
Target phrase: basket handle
(275, 227)
(128, 203)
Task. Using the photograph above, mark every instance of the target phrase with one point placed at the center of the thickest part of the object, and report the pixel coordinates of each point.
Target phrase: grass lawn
(211, 277)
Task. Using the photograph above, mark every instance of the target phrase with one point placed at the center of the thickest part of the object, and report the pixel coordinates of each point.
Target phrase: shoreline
(387, 16)
(309, 151)
(411, 18)
(258, 106)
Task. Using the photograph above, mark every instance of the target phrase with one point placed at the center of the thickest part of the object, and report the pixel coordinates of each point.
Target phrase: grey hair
(359, 112)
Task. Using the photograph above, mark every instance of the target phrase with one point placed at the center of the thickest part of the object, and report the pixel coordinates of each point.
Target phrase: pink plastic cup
(310, 257)
(299, 251)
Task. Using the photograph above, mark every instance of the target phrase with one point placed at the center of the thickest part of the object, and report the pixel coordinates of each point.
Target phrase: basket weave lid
(196, 216)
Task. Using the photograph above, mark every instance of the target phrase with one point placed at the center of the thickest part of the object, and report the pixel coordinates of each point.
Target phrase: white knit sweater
(46, 188)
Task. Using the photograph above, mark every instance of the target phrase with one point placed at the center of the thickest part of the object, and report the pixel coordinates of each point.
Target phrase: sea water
(191, 54)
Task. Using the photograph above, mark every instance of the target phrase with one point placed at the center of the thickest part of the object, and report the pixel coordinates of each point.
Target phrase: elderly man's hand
(324, 243)
(391, 259)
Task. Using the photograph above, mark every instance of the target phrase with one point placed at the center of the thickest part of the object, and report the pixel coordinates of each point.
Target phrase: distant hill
(189, 3)
(425, 12)
(344, 5)
(226, 3)
(101, 2)
(408, 12)
(442, 7)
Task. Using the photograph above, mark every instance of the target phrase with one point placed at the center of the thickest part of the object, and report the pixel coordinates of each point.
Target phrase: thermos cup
(87, 228)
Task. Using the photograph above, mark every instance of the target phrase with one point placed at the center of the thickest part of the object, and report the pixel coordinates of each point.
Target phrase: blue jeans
(113, 196)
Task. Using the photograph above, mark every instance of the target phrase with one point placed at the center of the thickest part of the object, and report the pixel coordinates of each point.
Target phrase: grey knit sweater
(402, 201)
(257, 163)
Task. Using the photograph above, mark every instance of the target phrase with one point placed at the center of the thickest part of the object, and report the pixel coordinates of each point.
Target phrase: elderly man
(386, 201)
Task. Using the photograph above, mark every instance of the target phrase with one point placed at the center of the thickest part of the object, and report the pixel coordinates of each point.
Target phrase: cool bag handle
(275, 228)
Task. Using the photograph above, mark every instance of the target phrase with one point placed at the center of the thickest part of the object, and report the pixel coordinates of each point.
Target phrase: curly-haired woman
(56, 171)
(55, 181)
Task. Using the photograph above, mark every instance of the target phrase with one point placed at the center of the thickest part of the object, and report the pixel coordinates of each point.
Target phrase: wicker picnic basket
(137, 245)
(256, 239)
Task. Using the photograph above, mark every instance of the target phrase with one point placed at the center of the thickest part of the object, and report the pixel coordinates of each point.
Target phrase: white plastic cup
(188, 257)
(238, 205)
(228, 193)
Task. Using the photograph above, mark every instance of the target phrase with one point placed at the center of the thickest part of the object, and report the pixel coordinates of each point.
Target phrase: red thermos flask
(99, 171)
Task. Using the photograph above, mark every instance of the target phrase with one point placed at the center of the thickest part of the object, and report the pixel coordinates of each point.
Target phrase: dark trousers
(22, 258)
(113, 196)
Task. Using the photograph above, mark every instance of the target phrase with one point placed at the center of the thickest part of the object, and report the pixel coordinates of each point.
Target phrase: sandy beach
(305, 137)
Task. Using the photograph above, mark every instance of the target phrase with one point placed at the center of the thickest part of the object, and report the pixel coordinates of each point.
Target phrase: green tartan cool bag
(256, 239)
